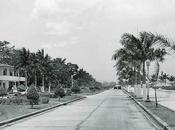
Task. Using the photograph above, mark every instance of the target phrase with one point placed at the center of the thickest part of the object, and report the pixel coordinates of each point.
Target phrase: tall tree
(23, 62)
(34, 66)
(43, 63)
(6, 52)
(145, 46)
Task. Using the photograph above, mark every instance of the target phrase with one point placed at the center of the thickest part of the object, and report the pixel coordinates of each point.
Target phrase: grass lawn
(162, 112)
(13, 110)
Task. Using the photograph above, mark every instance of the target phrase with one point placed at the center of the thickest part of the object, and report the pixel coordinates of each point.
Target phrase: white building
(8, 78)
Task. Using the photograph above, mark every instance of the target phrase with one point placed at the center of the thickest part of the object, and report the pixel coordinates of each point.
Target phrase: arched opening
(5, 72)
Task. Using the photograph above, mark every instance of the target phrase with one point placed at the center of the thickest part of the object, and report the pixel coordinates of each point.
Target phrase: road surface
(110, 110)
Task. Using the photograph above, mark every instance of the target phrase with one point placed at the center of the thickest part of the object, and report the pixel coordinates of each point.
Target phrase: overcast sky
(85, 32)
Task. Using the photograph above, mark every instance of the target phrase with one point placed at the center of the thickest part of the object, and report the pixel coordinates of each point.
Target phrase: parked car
(117, 87)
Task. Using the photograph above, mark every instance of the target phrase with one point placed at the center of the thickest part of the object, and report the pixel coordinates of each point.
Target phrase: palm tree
(43, 61)
(128, 59)
(23, 62)
(50, 74)
(144, 48)
(34, 66)
(161, 78)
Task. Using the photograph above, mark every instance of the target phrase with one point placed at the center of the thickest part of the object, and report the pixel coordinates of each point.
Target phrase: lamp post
(72, 80)
(147, 85)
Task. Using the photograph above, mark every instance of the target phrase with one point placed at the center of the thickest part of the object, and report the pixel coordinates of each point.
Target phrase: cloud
(61, 28)
(62, 17)
(43, 7)
(71, 41)
(49, 8)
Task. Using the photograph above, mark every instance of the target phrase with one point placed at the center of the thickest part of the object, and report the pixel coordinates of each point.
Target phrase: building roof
(5, 65)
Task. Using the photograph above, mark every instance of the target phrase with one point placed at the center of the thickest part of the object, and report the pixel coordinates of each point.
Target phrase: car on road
(117, 87)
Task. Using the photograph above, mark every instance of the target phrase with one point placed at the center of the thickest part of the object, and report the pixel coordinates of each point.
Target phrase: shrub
(91, 87)
(12, 100)
(85, 89)
(1, 100)
(52, 95)
(59, 92)
(3, 91)
(45, 94)
(68, 92)
(32, 95)
(16, 100)
(21, 88)
(97, 87)
(17, 94)
(6, 101)
(75, 89)
(45, 100)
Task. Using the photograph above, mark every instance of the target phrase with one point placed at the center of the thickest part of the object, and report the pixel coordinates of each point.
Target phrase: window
(11, 74)
(3, 85)
(5, 72)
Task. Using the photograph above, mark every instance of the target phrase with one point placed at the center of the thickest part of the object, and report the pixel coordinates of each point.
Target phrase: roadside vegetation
(135, 52)
(44, 72)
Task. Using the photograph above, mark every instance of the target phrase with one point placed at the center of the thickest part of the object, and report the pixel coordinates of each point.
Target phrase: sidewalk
(165, 97)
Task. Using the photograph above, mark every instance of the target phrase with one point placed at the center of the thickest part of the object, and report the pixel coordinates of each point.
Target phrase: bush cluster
(76, 89)
(21, 88)
(33, 95)
(59, 92)
(12, 100)
(68, 92)
(3, 91)
(45, 100)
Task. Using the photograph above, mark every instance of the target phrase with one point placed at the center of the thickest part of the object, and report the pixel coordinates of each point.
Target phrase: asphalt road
(110, 110)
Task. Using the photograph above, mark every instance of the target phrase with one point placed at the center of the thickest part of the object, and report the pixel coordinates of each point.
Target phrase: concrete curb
(163, 124)
(2, 123)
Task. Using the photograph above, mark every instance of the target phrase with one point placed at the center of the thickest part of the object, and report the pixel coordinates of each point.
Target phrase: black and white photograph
(87, 65)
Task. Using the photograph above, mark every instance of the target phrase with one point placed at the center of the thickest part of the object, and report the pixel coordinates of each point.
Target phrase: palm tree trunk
(18, 77)
(43, 83)
(157, 75)
(144, 73)
(26, 78)
(144, 81)
(156, 97)
(49, 86)
(35, 79)
(134, 82)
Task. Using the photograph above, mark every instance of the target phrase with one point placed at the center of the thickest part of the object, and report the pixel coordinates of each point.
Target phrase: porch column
(6, 84)
(144, 92)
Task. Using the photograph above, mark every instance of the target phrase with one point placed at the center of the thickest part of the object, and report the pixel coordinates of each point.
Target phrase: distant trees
(6, 51)
(164, 77)
(43, 71)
